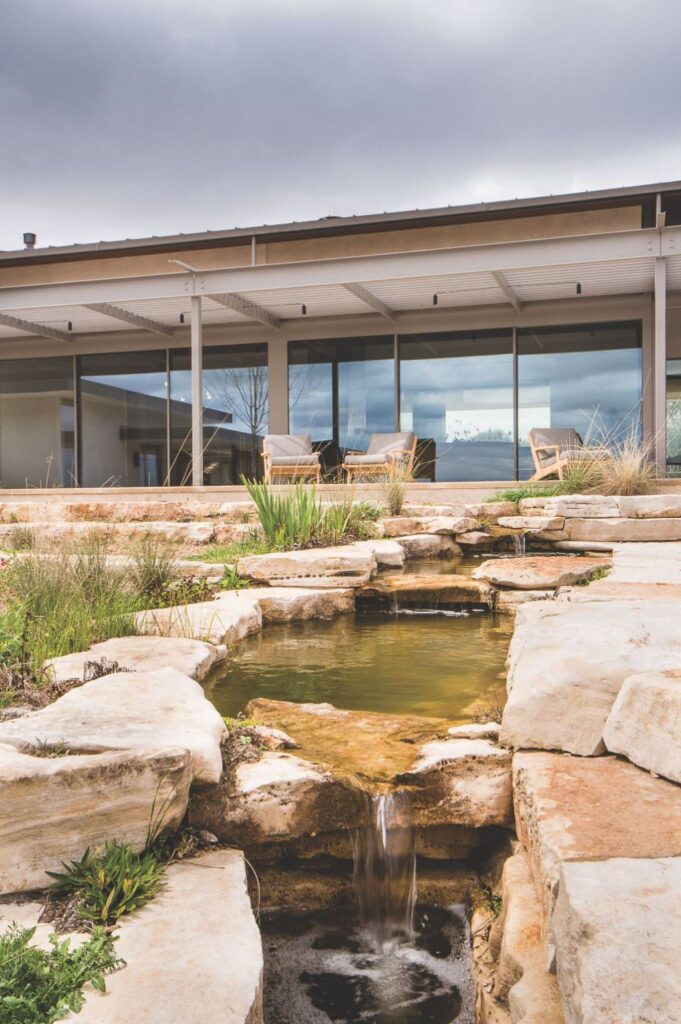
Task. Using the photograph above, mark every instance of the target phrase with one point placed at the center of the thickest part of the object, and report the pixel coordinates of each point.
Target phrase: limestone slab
(617, 935)
(475, 539)
(276, 798)
(587, 506)
(574, 808)
(139, 654)
(389, 553)
(490, 511)
(193, 954)
(644, 724)
(433, 545)
(443, 590)
(647, 563)
(297, 604)
(651, 506)
(225, 620)
(55, 807)
(138, 711)
(509, 601)
(461, 782)
(406, 526)
(548, 526)
(234, 533)
(538, 572)
(568, 660)
(616, 530)
(335, 567)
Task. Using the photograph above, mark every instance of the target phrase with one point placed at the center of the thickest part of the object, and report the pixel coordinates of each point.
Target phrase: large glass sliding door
(456, 394)
(341, 392)
(674, 417)
(123, 410)
(37, 436)
(235, 413)
(585, 377)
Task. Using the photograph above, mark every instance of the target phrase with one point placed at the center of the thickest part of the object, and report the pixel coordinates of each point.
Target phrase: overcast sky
(126, 118)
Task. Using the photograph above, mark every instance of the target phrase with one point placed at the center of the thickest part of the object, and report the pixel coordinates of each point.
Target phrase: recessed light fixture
(303, 309)
(181, 318)
(579, 288)
(435, 299)
(69, 326)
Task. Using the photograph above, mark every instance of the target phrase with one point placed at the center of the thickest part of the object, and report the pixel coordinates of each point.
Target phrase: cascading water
(385, 872)
(519, 544)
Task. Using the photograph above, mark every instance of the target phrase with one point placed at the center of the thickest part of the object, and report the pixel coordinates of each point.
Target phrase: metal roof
(338, 225)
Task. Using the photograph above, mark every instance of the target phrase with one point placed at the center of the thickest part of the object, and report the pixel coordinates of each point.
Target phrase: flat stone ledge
(193, 954)
(617, 935)
(433, 545)
(331, 567)
(134, 711)
(538, 572)
(407, 526)
(225, 620)
(139, 654)
(644, 724)
(442, 590)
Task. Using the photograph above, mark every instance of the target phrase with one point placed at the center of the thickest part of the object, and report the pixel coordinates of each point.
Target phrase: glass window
(456, 394)
(674, 417)
(235, 413)
(342, 391)
(123, 419)
(37, 423)
(585, 377)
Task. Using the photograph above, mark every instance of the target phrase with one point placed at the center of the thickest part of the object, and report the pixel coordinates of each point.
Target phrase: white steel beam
(251, 310)
(507, 290)
(370, 300)
(197, 391)
(502, 256)
(145, 323)
(32, 328)
(660, 366)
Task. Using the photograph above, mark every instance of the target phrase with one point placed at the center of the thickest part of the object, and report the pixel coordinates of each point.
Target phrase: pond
(435, 664)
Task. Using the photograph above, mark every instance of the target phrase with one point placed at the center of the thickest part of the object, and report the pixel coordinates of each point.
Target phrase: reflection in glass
(456, 394)
(585, 377)
(37, 423)
(123, 417)
(235, 413)
(674, 417)
(341, 391)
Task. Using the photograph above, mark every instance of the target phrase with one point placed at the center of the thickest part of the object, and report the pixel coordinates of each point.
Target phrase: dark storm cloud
(155, 116)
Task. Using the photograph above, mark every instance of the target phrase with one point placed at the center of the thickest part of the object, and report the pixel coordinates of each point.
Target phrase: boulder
(475, 539)
(439, 590)
(56, 807)
(538, 572)
(238, 511)
(617, 935)
(225, 620)
(509, 601)
(133, 711)
(568, 660)
(296, 604)
(645, 722)
(490, 511)
(277, 798)
(407, 526)
(234, 533)
(138, 654)
(522, 982)
(389, 553)
(193, 954)
(429, 545)
(320, 567)
(460, 782)
(575, 808)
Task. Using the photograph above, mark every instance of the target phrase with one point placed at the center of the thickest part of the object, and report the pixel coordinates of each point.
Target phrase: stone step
(439, 590)
(537, 572)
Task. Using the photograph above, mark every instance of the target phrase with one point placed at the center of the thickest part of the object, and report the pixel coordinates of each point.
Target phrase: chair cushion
(288, 445)
(366, 460)
(381, 444)
(568, 440)
(296, 460)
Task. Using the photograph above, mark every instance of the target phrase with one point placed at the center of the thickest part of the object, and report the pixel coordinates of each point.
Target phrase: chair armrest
(548, 448)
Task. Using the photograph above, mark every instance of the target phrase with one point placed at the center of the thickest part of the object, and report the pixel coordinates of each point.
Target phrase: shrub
(111, 883)
(40, 986)
(153, 564)
(291, 519)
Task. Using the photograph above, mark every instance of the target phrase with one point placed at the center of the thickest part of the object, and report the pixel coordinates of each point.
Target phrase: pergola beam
(32, 328)
(145, 323)
(507, 290)
(251, 310)
(366, 296)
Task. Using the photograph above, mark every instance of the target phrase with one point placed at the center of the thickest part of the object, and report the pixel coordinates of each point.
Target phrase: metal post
(197, 391)
(660, 365)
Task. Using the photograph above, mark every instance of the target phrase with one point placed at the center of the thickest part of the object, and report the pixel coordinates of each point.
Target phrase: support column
(277, 377)
(197, 391)
(660, 365)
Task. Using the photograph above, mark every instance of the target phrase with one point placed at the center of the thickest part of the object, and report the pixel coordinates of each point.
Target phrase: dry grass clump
(618, 467)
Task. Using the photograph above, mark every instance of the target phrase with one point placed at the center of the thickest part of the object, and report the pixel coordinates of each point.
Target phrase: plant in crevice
(40, 986)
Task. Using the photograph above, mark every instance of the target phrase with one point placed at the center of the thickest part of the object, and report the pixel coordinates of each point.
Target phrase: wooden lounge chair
(385, 455)
(554, 448)
(290, 455)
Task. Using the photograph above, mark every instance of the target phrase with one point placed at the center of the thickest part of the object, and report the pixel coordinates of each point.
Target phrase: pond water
(417, 663)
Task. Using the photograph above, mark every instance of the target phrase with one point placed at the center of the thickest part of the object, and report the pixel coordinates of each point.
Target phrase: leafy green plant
(517, 494)
(39, 986)
(492, 900)
(112, 882)
(232, 581)
(289, 519)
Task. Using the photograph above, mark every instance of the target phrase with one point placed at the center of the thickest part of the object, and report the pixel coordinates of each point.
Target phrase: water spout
(385, 871)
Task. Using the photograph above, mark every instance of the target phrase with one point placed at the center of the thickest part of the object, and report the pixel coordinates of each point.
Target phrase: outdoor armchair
(386, 454)
(554, 448)
(290, 455)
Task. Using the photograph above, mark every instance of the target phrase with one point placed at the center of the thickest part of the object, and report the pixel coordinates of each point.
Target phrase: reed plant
(297, 518)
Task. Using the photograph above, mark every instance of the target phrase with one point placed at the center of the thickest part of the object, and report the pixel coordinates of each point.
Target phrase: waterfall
(385, 871)
(519, 543)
